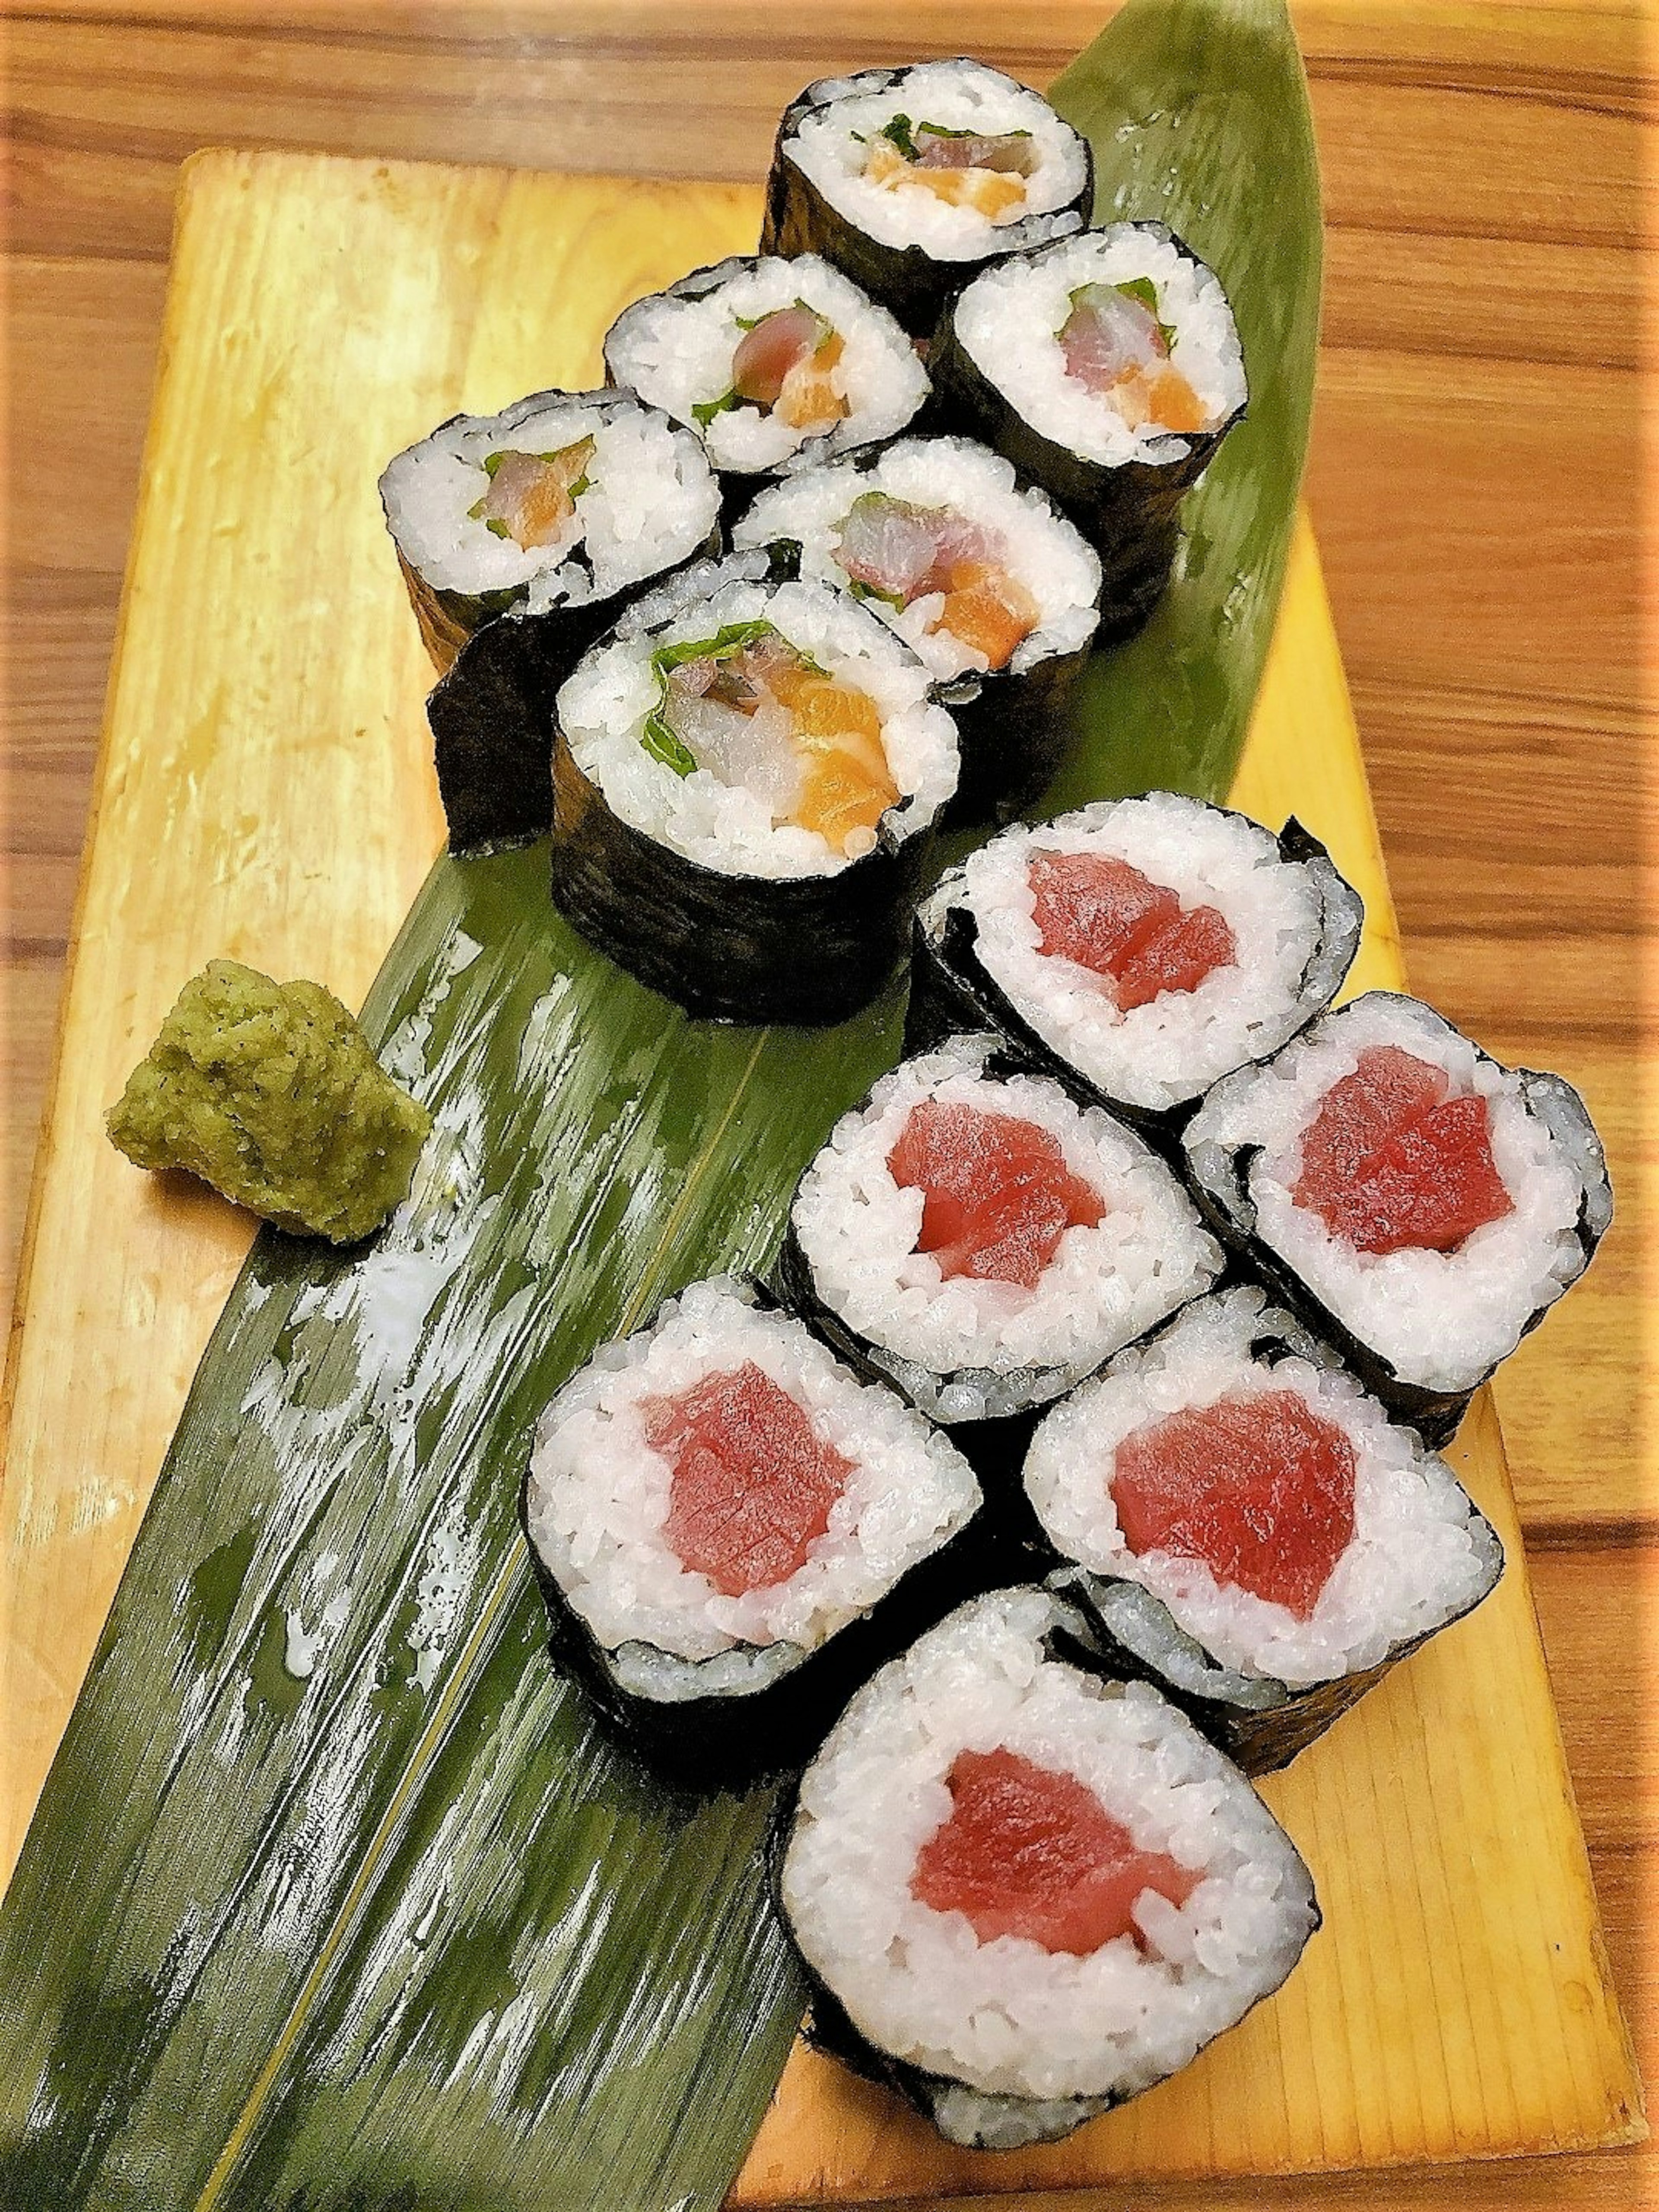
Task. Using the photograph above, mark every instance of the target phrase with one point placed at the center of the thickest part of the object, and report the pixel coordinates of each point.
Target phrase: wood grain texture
(1473, 155)
(264, 790)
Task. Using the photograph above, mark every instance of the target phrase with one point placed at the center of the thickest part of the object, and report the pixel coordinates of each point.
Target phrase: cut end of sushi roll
(712, 1502)
(984, 1240)
(773, 363)
(1026, 1894)
(1233, 1472)
(905, 178)
(746, 773)
(561, 500)
(1145, 947)
(1417, 1200)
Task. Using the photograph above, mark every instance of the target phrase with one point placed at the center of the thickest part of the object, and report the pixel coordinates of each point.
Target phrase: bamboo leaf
(334, 1902)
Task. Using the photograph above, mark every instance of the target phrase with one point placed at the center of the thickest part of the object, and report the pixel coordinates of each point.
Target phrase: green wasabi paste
(270, 1092)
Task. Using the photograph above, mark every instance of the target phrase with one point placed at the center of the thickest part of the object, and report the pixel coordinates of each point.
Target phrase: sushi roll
(1247, 1529)
(746, 776)
(1022, 1893)
(996, 590)
(977, 1238)
(559, 505)
(1419, 1205)
(775, 364)
(731, 1532)
(1108, 368)
(910, 179)
(1138, 950)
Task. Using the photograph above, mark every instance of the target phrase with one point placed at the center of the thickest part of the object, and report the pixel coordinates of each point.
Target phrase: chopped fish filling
(532, 496)
(998, 1195)
(788, 365)
(1392, 1162)
(1102, 913)
(753, 1487)
(1256, 1488)
(892, 550)
(1032, 1853)
(962, 168)
(758, 714)
(1114, 343)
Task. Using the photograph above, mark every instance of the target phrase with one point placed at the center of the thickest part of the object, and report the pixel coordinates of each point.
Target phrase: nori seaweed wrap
(1118, 409)
(1246, 1528)
(910, 179)
(747, 774)
(1418, 1205)
(1291, 922)
(981, 576)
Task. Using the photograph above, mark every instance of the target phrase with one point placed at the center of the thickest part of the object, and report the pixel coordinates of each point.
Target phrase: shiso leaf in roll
(976, 1236)
(747, 773)
(1023, 1894)
(994, 589)
(775, 364)
(558, 506)
(1138, 950)
(1254, 1533)
(1418, 1205)
(909, 179)
(732, 1531)
(1108, 368)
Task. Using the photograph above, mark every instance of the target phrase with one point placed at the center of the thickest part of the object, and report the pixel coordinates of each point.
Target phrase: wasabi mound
(270, 1092)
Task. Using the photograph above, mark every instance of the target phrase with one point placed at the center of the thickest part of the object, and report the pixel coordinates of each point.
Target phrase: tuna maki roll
(910, 179)
(1419, 1205)
(559, 505)
(976, 1235)
(1107, 368)
(730, 1531)
(1138, 950)
(997, 592)
(746, 776)
(1255, 1534)
(1024, 1894)
(775, 364)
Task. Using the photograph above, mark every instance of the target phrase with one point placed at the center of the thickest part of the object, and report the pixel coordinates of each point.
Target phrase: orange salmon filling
(531, 496)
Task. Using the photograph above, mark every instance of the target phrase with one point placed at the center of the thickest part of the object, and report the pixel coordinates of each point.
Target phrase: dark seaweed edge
(951, 988)
(1127, 510)
(914, 285)
(830, 2027)
(1218, 1178)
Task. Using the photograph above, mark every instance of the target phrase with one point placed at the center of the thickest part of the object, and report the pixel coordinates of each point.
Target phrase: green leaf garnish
(496, 527)
(898, 133)
(860, 590)
(705, 411)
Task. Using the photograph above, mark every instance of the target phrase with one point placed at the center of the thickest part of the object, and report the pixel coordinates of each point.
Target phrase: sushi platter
(267, 791)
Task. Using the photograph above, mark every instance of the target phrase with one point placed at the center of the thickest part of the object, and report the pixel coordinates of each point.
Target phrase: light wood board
(264, 791)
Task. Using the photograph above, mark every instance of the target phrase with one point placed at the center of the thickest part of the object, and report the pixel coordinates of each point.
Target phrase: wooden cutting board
(265, 792)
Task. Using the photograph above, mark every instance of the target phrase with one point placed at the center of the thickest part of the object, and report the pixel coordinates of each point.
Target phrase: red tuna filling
(998, 1195)
(1103, 914)
(1030, 1852)
(1259, 1490)
(1392, 1162)
(753, 1488)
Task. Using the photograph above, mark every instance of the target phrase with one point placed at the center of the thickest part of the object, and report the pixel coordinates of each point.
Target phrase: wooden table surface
(1476, 482)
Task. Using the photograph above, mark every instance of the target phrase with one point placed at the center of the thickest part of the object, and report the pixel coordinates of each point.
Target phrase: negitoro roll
(1420, 1206)
(994, 589)
(1138, 950)
(775, 364)
(976, 1235)
(1247, 1529)
(910, 178)
(1107, 368)
(1024, 1893)
(747, 775)
(732, 1531)
(559, 505)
